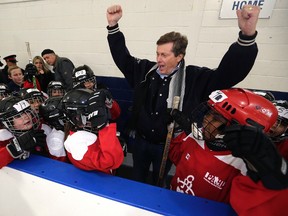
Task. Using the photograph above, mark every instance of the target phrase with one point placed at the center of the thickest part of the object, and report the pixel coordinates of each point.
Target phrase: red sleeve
(105, 154)
(250, 198)
(27, 85)
(115, 110)
(5, 157)
(175, 150)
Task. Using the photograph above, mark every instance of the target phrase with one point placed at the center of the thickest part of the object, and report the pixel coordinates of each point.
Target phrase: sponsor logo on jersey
(214, 180)
(185, 186)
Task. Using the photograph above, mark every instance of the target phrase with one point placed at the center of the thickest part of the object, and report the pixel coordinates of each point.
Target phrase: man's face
(17, 76)
(166, 59)
(50, 58)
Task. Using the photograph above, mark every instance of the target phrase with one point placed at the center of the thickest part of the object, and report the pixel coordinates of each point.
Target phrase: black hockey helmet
(13, 108)
(75, 104)
(52, 113)
(55, 88)
(4, 91)
(83, 74)
(33, 96)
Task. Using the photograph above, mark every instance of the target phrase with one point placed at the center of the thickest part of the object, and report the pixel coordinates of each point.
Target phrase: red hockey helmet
(244, 107)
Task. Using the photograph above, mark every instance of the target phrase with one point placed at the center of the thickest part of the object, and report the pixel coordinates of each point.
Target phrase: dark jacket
(63, 69)
(150, 95)
(44, 79)
(4, 75)
(13, 87)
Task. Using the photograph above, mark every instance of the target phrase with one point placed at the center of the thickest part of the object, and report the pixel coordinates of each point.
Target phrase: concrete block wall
(77, 29)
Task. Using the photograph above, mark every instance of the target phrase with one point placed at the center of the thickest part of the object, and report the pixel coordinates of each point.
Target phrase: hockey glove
(109, 99)
(260, 154)
(183, 122)
(18, 146)
(97, 110)
(30, 72)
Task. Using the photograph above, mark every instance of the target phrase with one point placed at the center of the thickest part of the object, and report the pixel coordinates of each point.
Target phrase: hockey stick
(30, 62)
(29, 51)
(176, 101)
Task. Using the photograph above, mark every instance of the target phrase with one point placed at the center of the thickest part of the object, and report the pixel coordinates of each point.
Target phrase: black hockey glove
(30, 72)
(260, 155)
(183, 122)
(97, 110)
(109, 98)
(18, 146)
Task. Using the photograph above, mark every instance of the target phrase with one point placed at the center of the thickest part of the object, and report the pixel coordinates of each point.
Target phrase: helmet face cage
(51, 111)
(4, 95)
(33, 96)
(207, 124)
(36, 99)
(82, 75)
(55, 88)
(78, 118)
(24, 114)
(75, 104)
(4, 91)
(281, 125)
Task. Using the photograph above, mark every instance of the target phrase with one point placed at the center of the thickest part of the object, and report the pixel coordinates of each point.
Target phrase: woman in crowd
(44, 75)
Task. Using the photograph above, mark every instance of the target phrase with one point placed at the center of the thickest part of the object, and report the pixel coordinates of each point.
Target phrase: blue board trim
(151, 198)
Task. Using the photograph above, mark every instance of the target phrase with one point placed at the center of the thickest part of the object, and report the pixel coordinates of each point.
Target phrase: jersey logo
(214, 180)
(185, 185)
(187, 156)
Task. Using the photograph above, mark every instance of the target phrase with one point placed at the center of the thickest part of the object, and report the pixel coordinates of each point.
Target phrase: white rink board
(28, 195)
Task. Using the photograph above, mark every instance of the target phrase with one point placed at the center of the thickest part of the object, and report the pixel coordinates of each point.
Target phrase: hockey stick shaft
(30, 62)
(29, 51)
(176, 101)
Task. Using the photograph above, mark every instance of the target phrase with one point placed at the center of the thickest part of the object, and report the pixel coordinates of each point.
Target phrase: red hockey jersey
(88, 151)
(5, 157)
(201, 171)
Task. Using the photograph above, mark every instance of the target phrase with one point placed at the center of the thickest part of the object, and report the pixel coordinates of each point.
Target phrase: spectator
(44, 75)
(62, 67)
(16, 76)
(10, 62)
(156, 83)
